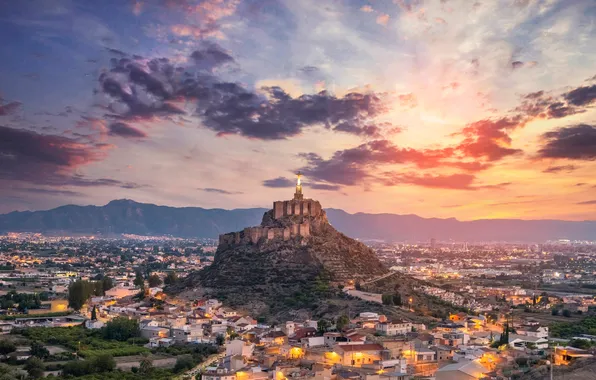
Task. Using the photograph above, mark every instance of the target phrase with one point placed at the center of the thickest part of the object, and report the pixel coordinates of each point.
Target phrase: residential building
(393, 328)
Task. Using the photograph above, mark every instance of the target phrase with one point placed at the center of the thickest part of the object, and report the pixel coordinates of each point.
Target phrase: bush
(137, 341)
(183, 363)
(7, 346)
(583, 344)
(115, 352)
(77, 368)
(568, 330)
(34, 367)
(103, 363)
(122, 329)
(54, 366)
(38, 349)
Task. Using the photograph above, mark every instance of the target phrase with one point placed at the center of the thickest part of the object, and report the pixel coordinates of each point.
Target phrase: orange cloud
(383, 19)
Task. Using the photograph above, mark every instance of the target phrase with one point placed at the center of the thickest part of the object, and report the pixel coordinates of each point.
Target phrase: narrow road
(372, 297)
(191, 373)
(379, 278)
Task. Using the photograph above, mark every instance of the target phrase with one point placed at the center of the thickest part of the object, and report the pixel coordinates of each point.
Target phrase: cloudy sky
(441, 108)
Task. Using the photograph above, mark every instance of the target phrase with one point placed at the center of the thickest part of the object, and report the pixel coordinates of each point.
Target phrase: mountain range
(127, 216)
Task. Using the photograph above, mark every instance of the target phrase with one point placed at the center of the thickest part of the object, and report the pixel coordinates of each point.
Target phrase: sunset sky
(440, 108)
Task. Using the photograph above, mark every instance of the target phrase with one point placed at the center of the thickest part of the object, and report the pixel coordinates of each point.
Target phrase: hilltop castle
(287, 220)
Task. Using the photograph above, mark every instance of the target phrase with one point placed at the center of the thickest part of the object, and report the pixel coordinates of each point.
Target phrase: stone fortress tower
(287, 220)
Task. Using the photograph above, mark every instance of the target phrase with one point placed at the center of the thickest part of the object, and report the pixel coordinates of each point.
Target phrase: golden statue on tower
(298, 194)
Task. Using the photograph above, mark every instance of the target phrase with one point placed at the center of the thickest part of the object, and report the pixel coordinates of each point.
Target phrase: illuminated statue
(298, 193)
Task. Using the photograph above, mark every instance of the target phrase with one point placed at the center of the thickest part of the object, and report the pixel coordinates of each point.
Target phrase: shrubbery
(89, 343)
(568, 329)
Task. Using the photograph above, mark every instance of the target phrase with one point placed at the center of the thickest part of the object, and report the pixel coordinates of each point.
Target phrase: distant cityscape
(537, 291)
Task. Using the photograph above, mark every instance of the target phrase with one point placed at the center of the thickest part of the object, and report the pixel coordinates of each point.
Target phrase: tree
(184, 362)
(387, 299)
(38, 350)
(358, 286)
(342, 322)
(397, 299)
(220, 340)
(77, 368)
(78, 293)
(97, 288)
(583, 344)
(504, 338)
(566, 313)
(139, 281)
(107, 283)
(146, 365)
(554, 311)
(171, 278)
(323, 325)
(7, 346)
(154, 280)
(121, 328)
(103, 363)
(94, 314)
(8, 372)
(34, 367)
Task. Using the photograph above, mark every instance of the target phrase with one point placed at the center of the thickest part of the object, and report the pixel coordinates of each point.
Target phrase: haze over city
(438, 108)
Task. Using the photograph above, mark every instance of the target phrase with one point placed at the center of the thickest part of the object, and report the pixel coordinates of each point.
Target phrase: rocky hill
(293, 258)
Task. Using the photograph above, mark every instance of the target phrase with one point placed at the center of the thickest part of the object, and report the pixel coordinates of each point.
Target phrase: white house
(239, 347)
(289, 328)
(521, 342)
(394, 327)
(227, 313)
(313, 341)
(535, 331)
(187, 334)
(93, 325)
(331, 338)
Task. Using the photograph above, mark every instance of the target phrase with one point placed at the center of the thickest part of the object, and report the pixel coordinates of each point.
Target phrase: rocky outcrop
(285, 255)
(290, 247)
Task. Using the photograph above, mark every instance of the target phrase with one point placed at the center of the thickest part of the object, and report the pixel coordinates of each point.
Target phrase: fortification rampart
(304, 208)
(256, 235)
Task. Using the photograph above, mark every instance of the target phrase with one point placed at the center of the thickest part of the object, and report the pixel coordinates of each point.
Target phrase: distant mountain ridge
(127, 216)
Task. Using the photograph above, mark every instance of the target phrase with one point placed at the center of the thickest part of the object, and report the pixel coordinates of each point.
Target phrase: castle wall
(278, 209)
(306, 207)
(298, 207)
